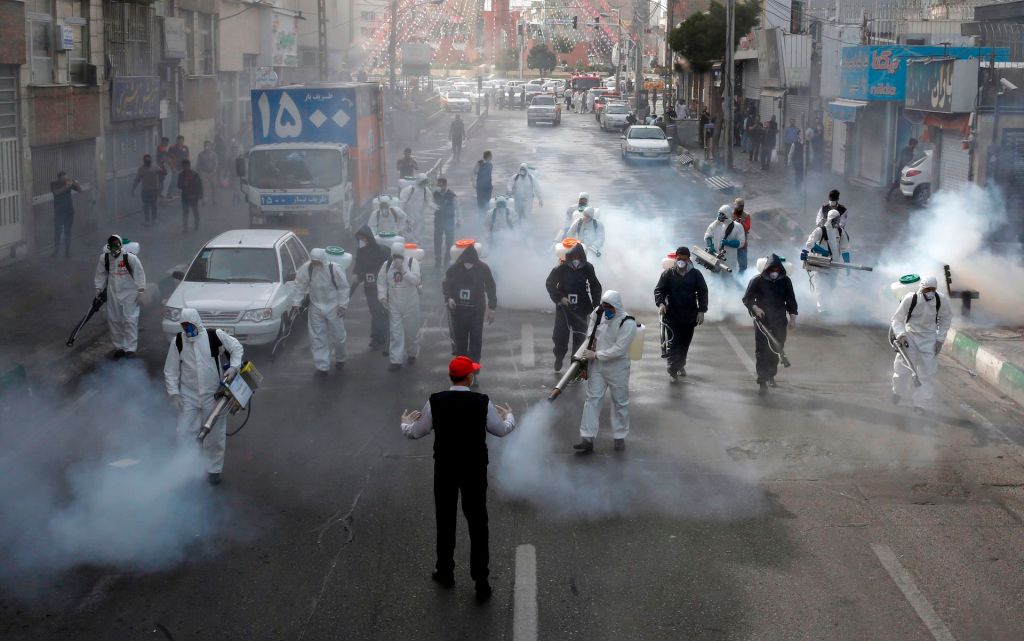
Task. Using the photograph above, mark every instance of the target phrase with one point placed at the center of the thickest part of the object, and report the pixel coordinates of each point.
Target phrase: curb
(1001, 374)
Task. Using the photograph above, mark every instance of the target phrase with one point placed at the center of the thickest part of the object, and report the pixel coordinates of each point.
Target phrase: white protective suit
(328, 302)
(730, 241)
(572, 213)
(589, 231)
(195, 376)
(610, 370)
(388, 221)
(124, 290)
(524, 189)
(831, 242)
(418, 203)
(928, 324)
(398, 291)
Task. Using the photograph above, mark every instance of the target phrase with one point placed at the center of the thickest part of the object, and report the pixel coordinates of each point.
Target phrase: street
(820, 511)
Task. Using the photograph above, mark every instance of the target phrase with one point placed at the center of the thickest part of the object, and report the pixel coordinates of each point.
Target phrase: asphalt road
(819, 512)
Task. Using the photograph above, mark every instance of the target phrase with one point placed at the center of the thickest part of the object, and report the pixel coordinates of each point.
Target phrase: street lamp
(392, 36)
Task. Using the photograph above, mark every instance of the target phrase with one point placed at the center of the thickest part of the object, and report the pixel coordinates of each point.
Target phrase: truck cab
(298, 179)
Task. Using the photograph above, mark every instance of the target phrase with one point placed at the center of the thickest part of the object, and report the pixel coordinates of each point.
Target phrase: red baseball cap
(462, 366)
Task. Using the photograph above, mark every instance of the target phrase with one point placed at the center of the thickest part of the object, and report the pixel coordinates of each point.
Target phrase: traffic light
(574, 18)
(597, 22)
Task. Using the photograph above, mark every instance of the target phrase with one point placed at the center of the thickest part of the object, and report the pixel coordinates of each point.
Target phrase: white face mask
(773, 275)
(468, 265)
(576, 263)
(362, 243)
(929, 295)
(833, 203)
(682, 264)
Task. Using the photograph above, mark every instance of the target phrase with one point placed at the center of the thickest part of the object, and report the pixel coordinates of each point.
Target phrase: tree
(563, 44)
(541, 58)
(701, 37)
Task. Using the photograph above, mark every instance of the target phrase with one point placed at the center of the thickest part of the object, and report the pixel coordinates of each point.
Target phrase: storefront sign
(135, 97)
(265, 78)
(174, 38)
(942, 86)
(879, 73)
(280, 40)
(770, 58)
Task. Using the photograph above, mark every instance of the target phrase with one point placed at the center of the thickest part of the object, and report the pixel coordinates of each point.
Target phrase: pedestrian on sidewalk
(460, 419)
(178, 154)
(120, 274)
(456, 134)
(771, 137)
(906, 157)
(797, 160)
(789, 138)
(63, 211)
(207, 162)
(920, 324)
(446, 219)
(151, 178)
(239, 153)
(756, 140)
(191, 186)
(165, 162)
(682, 299)
(482, 181)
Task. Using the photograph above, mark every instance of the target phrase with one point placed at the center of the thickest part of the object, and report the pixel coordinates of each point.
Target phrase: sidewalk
(996, 355)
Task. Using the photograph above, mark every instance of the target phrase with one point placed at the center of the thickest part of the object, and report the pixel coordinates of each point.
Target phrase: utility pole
(730, 84)
(321, 15)
(392, 45)
(642, 18)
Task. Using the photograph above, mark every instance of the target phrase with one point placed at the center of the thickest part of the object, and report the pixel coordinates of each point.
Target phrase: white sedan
(457, 101)
(242, 282)
(645, 141)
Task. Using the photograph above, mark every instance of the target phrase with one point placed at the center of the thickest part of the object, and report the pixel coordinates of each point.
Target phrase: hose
(248, 415)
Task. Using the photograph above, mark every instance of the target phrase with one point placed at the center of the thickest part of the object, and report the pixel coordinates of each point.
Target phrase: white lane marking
(529, 358)
(524, 613)
(734, 343)
(908, 587)
(124, 462)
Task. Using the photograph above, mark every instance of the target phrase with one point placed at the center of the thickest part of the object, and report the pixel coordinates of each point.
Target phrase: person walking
(191, 187)
(63, 211)
(178, 154)
(682, 299)
(239, 152)
(789, 138)
(471, 296)
(398, 283)
(207, 162)
(482, 172)
(907, 155)
(151, 178)
(446, 219)
(457, 134)
(575, 290)
(327, 287)
(461, 419)
(756, 140)
(417, 202)
(524, 188)
(771, 136)
(165, 162)
(119, 273)
(769, 297)
(407, 165)
(370, 256)
(920, 324)
(798, 159)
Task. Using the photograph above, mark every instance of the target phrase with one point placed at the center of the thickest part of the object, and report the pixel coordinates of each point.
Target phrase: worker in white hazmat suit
(398, 291)
(417, 202)
(920, 323)
(121, 274)
(724, 237)
(574, 212)
(588, 230)
(829, 241)
(524, 188)
(192, 374)
(327, 286)
(387, 218)
(607, 370)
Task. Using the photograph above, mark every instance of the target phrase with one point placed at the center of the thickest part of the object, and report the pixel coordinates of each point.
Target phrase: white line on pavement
(524, 613)
(529, 358)
(734, 343)
(906, 584)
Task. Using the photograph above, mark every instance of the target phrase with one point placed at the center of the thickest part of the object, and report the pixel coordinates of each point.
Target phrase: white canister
(339, 256)
(907, 284)
(414, 250)
(461, 245)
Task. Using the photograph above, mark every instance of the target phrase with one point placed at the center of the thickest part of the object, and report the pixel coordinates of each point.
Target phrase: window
(190, 41)
(130, 39)
(368, 16)
(40, 41)
(204, 43)
(8, 102)
(78, 57)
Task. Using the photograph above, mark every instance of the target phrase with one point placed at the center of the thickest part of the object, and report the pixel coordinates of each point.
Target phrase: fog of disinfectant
(135, 497)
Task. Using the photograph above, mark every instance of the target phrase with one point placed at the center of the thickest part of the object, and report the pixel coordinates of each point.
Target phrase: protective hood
(929, 281)
(577, 251)
(774, 261)
(190, 315)
(366, 234)
(318, 254)
(398, 249)
(469, 255)
(613, 298)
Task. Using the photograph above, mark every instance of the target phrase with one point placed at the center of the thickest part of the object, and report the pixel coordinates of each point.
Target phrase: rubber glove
(451, 303)
(178, 403)
(700, 318)
(803, 254)
(757, 311)
(230, 374)
(341, 312)
(662, 309)
(489, 316)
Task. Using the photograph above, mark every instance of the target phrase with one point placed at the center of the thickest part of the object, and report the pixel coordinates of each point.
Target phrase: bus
(585, 82)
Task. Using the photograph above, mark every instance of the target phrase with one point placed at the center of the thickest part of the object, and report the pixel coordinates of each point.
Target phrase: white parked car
(543, 108)
(457, 101)
(242, 282)
(613, 116)
(645, 141)
(916, 178)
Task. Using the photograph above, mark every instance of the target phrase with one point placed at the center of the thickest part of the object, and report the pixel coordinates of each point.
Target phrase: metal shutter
(797, 109)
(751, 80)
(10, 158)
(954, 161)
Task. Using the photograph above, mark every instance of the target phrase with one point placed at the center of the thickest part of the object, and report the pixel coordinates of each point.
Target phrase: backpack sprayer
(234, 394)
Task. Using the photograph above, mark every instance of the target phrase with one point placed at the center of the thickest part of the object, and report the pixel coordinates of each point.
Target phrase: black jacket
(368, 259)
(684, 294)
(460, 429)
(580, 286)
(776, 297)
(467, 287)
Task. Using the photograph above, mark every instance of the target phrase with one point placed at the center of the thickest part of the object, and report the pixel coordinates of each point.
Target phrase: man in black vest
(461, 420)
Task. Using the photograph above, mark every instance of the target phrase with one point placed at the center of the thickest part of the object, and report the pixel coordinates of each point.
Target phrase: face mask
(522, 172)
(929, 295)
(468, 265)
(608, 314)
(721, 218)
(363, 243)
(773, 275)
(582, 206)
(191, 330)
(115, 250)
(576, 263)
(833, 203)
(682, 264)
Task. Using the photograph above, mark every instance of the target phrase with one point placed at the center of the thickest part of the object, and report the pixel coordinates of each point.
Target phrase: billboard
(303, 114)
(942, 85)
(416, 57)
(280, 46)
(879, 73)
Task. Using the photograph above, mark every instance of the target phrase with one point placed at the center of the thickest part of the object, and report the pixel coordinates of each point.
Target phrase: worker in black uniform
(575, 291)
(469, 292)
(769, 298)
(369, 258)
(461, 420)
(682, 299)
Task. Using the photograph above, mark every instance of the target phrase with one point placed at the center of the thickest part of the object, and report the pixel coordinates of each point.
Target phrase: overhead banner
(879, 73)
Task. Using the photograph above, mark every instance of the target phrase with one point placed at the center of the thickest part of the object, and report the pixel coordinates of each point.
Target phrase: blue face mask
(608, 314)
(191, 330)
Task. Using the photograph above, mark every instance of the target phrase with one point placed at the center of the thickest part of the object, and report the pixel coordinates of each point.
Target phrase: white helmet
(833, 214)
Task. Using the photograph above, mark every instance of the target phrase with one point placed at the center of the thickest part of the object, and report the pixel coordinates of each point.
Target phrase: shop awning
(845, 110)
(767, 92)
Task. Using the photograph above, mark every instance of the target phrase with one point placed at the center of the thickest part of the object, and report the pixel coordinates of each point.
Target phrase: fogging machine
(706, 259)
(233, 395)
(578, 366)
(824, 262)
(901, 348)
(97, 302)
